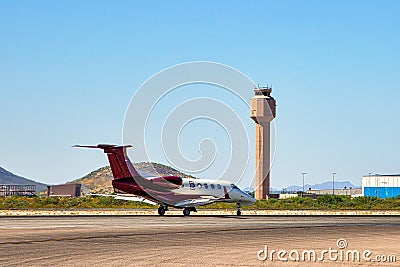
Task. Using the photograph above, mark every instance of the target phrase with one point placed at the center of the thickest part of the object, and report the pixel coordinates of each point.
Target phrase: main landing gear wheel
(186, 211)
(238, 212)
(162, 210)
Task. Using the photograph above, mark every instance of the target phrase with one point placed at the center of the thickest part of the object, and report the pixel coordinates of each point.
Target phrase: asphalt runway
(198, 240)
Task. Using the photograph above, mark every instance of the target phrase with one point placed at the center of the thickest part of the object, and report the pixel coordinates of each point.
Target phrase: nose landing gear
(238, 212)
(186, 211)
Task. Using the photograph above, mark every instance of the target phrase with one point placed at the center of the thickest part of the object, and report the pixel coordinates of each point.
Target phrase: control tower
(262, 111)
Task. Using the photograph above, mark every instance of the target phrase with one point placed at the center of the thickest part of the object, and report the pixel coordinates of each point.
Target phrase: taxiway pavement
(191, 241)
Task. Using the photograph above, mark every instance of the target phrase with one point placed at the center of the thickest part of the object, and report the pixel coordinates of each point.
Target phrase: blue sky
(68, 70)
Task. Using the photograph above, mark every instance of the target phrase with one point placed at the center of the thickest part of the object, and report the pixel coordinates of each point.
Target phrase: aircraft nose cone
(248, 197)
(252, 199)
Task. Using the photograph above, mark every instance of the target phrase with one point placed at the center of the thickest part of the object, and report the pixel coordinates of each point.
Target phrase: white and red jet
(168, 191)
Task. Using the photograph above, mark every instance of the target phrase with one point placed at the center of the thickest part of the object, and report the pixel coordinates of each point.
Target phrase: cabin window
(206, 186)
(199, 185)
(212, 186)
(218, 186)
(192, 186)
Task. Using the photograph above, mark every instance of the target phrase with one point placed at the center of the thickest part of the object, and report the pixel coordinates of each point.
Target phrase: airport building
(17, 190)
(64, 190)
(353, 192)
(382, 186)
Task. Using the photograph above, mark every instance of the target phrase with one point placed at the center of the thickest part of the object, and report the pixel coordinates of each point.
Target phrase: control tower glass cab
(262, 111)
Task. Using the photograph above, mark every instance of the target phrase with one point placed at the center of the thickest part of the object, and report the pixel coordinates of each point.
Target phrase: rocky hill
(99, 181)
(7, 177)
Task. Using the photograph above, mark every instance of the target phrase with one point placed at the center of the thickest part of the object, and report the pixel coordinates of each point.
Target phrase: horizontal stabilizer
(120, 164)
(103, 146)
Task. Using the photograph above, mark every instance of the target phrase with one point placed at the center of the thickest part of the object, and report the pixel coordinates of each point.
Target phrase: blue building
(382, 186)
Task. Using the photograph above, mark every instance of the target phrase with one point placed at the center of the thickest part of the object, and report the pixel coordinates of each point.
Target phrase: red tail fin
(120, 164)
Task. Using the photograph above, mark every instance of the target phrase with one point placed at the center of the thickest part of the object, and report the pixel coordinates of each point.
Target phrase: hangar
(382, 186)
(64, 190)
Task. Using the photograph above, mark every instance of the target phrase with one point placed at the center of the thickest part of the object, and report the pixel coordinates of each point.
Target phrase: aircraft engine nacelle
(167, 182)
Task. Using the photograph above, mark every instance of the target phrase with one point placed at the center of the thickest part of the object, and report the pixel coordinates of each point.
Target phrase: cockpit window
(234, 186)
(212, 186)
(206, 186)
(218, 186)
(199, 185)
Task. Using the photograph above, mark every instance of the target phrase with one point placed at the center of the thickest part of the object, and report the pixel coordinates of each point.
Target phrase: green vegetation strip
(326, 202)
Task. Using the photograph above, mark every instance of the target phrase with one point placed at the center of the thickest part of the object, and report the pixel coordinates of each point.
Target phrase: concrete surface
(190, 241)
(201, 212)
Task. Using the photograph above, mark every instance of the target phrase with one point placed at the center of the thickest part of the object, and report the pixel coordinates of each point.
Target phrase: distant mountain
(322, 186)
(7, 177)
(251, 189)
(99, 181)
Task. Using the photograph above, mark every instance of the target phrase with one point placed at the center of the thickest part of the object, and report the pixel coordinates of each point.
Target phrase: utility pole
(303, 173)
(333, 183)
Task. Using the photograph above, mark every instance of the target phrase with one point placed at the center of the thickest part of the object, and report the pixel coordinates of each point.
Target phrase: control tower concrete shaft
(262, 111)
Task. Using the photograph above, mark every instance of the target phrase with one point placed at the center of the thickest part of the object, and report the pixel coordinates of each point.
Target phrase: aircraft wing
(128, 197)
(136, 198)
(196, 202)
